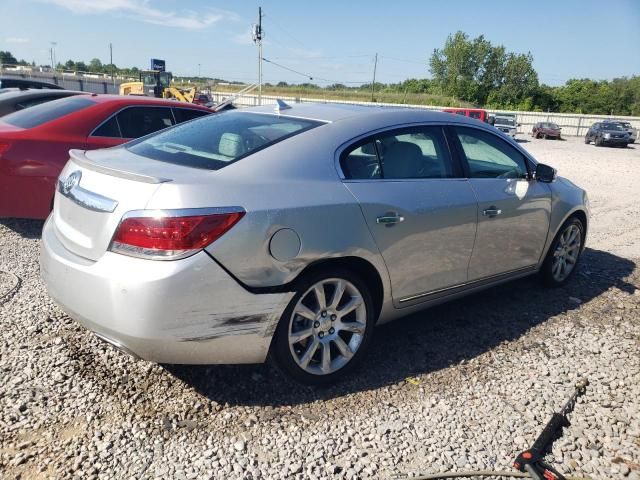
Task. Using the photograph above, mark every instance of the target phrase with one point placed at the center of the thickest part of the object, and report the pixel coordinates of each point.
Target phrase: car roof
(38, 92)
(28, 83)
(140, 100)
(335, 112)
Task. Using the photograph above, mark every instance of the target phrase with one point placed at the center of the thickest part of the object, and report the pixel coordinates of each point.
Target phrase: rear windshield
(217, 140)
(549, 125)
(45, 112)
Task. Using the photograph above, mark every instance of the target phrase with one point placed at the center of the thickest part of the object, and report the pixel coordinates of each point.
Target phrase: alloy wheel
(566, 253)
(327, 326)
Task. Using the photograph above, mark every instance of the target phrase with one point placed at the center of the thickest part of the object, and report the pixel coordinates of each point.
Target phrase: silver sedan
(289, 233)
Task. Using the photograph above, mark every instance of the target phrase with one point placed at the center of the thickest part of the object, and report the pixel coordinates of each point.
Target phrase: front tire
(564, 254)
(326, 329)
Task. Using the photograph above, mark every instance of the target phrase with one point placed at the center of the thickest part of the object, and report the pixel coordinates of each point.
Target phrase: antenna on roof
(281, 105)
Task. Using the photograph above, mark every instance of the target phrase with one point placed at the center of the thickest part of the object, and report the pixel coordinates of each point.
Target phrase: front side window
(489, 156)
(137, 122)
(417, 152)
(217, 140)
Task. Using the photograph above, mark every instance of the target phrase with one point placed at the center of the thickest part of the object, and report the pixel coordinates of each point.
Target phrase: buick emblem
(71, 181)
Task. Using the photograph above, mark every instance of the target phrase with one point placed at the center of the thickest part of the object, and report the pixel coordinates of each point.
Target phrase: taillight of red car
(4, 146)
(164, 236)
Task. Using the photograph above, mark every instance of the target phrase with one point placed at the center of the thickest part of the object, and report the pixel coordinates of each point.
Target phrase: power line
(309, 76)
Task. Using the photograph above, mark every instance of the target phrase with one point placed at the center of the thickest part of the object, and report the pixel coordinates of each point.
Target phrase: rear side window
(361, 162)
(109, 128)
(46, 112)
(185, 114)
(416, 152)
(218, 140)
(136, 122)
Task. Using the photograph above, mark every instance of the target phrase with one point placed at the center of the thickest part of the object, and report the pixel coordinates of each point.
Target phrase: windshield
(46, 112)
(612, 126)
(549, 125)
(218, 140)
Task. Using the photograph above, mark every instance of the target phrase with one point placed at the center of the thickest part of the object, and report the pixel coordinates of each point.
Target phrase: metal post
(373, 84)
(259, 40)
(113, 78)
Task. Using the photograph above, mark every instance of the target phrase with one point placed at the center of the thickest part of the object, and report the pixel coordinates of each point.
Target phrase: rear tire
(326, 329)
(564, 254)
(587, 141)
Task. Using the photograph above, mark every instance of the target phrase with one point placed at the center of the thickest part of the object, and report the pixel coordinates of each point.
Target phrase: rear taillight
(163, 236)
(4, 147)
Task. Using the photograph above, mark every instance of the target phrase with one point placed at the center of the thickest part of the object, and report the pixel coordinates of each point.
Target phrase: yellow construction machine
(156, 83)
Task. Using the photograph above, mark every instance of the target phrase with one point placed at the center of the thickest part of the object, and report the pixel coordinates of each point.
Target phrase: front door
(421, 214)
(513, 210)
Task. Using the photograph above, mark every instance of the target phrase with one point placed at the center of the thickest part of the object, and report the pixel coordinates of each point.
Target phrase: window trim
(457, 167)
(459, 151)
(115, 114)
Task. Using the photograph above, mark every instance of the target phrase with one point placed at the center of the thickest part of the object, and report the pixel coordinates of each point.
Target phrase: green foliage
(479, 72)
(7, 58)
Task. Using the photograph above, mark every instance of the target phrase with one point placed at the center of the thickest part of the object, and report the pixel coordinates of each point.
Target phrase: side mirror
(545, 173)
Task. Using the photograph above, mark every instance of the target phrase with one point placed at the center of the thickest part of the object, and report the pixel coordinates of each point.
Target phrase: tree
(7, 58)
(95, 65)
(475, 70)
(518, 85)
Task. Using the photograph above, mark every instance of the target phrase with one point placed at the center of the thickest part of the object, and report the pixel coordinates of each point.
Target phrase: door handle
(390, 219)
(491, 211)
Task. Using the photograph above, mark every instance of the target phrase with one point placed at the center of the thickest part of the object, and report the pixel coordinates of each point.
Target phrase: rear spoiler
(80, 157)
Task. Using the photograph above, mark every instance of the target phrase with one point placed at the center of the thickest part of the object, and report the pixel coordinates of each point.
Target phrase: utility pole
(113, 78)
(53, 55)
(257, 39)
(198, 71)
(373, 84)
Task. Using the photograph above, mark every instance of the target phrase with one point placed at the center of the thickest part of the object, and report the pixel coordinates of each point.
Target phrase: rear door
(421, 214)
(513, 211)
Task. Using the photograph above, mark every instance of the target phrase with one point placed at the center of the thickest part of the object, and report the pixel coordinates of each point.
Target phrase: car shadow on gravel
(424, 342)
(24, 227)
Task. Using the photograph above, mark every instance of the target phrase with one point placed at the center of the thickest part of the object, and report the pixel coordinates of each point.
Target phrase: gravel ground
(462, 386)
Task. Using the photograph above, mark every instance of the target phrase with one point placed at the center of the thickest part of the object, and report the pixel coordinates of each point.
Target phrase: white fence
(69, 81)
(572, 124)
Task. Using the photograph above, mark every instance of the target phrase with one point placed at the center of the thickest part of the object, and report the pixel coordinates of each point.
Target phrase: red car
(477, 113)
(35, 143)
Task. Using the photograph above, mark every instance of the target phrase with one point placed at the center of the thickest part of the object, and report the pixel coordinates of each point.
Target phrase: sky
(331, 41)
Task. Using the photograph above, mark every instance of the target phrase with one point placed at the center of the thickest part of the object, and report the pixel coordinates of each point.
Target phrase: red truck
(477, 113)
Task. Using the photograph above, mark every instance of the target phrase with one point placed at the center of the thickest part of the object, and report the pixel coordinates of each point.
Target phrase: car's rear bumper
(185, 311)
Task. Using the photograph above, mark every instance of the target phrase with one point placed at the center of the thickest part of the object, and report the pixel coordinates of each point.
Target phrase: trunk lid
(94, 190)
